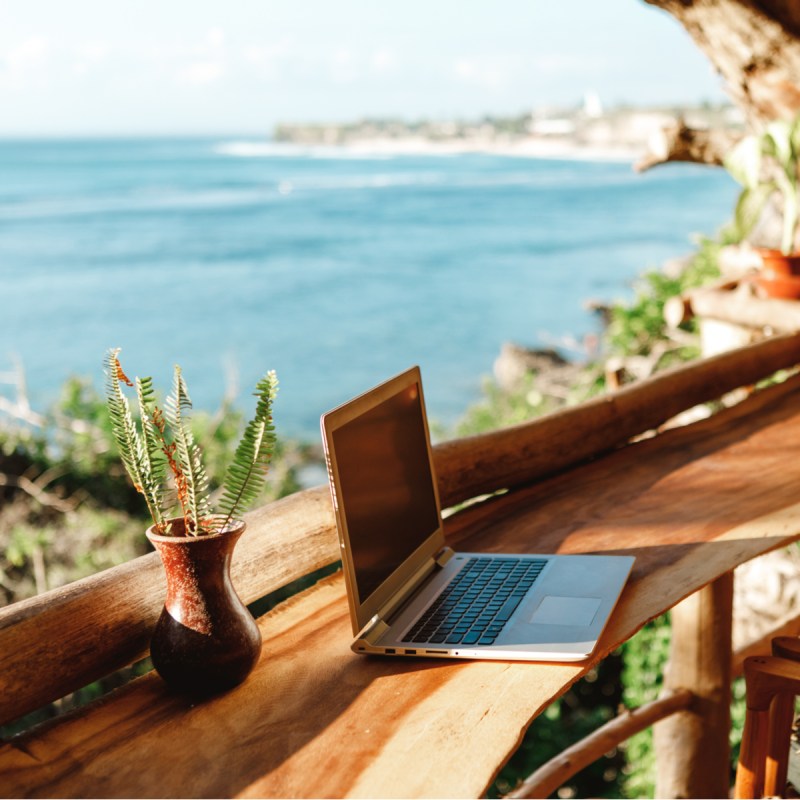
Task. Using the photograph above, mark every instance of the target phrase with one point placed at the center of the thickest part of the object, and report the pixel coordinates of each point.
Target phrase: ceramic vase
(205, 640)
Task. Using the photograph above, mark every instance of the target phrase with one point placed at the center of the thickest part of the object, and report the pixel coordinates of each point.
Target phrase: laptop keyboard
(475, 606)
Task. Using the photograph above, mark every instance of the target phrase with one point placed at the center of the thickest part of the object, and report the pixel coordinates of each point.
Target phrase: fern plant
(166, 464)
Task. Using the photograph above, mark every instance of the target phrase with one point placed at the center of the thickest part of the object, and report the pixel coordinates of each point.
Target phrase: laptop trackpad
(555, 610)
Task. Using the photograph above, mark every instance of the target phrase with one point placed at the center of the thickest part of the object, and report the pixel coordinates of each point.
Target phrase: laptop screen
(385, 486)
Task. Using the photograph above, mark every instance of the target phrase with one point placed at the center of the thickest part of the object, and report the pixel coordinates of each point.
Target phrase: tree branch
(679, 142)
(45, 498)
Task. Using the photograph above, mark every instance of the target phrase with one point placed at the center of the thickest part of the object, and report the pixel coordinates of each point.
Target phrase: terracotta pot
(778, 263)
(779, 286)
(780, 274)
(205, 640)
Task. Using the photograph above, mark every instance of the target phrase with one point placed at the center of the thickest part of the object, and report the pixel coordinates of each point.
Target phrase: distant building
(592, 107)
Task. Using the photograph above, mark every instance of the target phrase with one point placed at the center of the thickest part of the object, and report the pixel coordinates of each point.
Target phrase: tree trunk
(755, 47)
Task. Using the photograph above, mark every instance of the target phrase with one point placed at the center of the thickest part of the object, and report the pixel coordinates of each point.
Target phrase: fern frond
(246, 476)
(153, 454)
(190, 475)
(130, 443)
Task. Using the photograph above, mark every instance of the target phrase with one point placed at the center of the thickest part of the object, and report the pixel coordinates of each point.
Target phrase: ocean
(231, 257)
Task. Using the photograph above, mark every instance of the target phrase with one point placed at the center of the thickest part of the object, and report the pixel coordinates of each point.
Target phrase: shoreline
(389, 147)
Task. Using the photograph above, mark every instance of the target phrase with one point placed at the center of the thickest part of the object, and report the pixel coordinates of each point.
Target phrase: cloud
(216, 38)
(383, 60)
(560, 63)
(28, 57)
(89, 56)
(493, 72)
(343, 65)
(267, 60)
(200, 73)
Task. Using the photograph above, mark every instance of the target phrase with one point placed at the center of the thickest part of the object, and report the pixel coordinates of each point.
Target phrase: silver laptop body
(397, 566)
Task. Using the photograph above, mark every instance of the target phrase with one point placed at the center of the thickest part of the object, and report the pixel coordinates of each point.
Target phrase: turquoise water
(337, 271)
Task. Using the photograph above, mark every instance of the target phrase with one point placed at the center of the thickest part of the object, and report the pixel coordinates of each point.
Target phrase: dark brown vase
(205, 640)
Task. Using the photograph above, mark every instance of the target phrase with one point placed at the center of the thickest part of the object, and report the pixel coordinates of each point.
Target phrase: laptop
(412, 595)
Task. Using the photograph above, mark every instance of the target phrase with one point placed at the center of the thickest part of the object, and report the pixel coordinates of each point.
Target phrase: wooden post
(692, 750)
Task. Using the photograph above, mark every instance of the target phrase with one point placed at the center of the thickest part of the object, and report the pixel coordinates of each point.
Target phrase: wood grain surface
(316, 720)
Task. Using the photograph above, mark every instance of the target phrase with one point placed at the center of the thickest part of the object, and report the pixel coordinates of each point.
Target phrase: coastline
(388, 147)
(528, 147)
(587, 132)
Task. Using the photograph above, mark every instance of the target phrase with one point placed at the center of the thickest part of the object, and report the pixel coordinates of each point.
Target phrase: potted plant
(205, 639)
(766, 165)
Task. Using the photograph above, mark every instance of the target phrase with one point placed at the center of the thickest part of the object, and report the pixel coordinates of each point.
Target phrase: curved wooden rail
(81, 632)
(556, 772)
(524, 453)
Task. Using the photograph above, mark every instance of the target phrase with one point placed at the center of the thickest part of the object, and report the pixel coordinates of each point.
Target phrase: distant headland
(587, 130)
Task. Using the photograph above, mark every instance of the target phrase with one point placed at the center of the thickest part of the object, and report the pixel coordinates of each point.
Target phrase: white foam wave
(385, 149)
(267, 149)
(135, 202)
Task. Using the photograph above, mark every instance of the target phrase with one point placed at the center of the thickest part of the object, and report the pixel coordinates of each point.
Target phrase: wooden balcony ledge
(315, 720)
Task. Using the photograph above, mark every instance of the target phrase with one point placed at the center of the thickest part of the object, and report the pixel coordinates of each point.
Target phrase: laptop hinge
(373, 631)
(381, 621)
(444, 555)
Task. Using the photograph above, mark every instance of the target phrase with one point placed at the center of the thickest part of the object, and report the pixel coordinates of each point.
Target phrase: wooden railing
(60, 641)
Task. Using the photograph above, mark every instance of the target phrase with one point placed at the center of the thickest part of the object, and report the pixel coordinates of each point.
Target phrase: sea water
(336, 269)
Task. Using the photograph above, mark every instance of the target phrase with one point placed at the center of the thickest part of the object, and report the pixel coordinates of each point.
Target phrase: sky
(107, 67)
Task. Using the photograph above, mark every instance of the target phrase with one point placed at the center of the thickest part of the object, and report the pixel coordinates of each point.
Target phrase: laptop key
(453, 639)
(509, 608)
(471, 638)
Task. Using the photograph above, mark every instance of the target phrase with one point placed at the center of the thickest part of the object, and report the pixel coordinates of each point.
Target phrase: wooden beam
(524, 453)
(739, 306)
(571, 761)
(678, 308)
(692, 750)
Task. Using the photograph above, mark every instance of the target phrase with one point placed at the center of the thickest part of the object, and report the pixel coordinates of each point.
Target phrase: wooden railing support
(571, 761)
(692, 750)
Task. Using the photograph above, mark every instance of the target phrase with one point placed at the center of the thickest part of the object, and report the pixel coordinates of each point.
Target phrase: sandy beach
(386, 147)
(530, 147)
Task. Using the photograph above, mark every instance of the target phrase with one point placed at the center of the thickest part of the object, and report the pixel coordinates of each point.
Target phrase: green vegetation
(163, 443)
(635, 335)
(67, 508)
(779, 143)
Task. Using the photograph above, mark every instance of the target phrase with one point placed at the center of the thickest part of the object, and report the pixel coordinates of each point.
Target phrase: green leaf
(790, 215)
(246, 475)
(152, 455)
(750, 206)
(778, 142)
(744, 162)
(130, 443)
(795, 136)
(190, 475)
